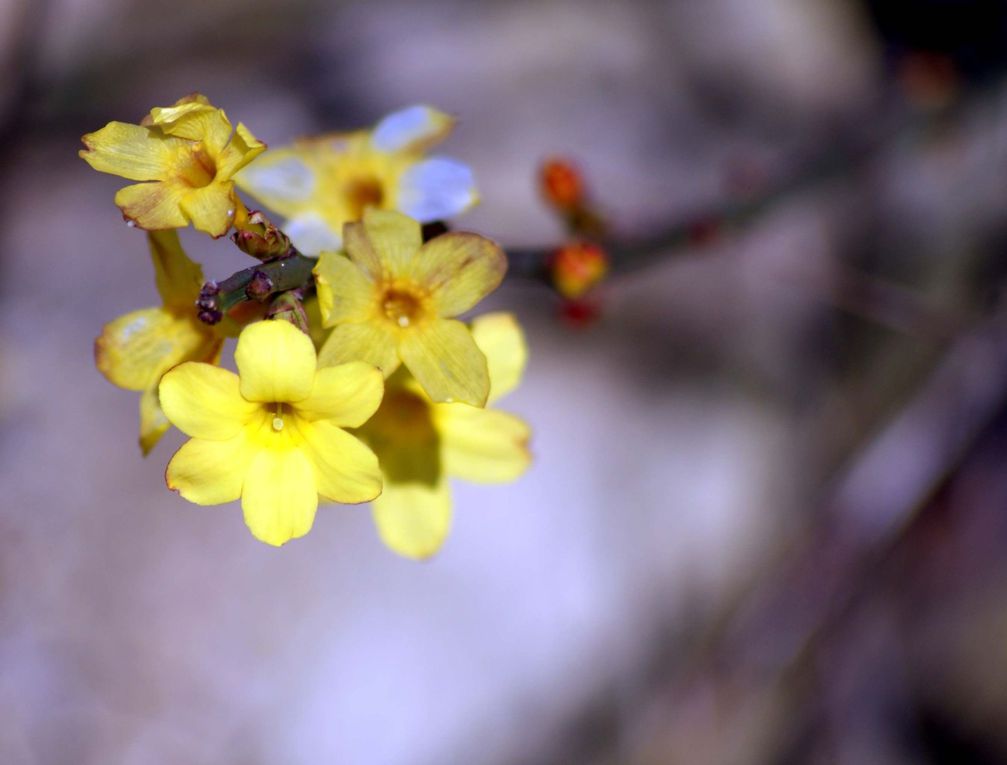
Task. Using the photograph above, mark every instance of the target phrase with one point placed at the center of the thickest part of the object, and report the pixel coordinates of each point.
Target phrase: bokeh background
(767, 517)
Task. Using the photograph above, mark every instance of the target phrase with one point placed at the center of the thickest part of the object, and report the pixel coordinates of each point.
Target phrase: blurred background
(767, 517)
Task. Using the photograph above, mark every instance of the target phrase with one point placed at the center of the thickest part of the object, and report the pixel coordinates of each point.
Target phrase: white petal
(311, 234)
(411, 129)
(436, 188)
(287, 179)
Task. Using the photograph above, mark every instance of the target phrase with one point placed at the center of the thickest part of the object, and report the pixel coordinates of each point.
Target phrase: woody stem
(257, 283)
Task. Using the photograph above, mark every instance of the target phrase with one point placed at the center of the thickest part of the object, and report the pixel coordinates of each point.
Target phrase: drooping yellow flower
(273, 434)
(186, 155)
(134, 350)
(390, 299)
(421, 444)
(319, 184)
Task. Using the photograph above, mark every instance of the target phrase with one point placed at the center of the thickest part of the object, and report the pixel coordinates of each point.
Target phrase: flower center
(402, 306)
(200, 169)
(277, 422)
(362, 193)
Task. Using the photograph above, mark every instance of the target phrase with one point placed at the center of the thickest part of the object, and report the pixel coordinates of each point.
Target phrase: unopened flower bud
(256, 236)
(562, 184)
(577, 267)
(288, 307)
(259, 287)
(208, 303)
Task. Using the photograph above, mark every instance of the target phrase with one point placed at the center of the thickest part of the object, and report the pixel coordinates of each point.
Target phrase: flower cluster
(356, 382)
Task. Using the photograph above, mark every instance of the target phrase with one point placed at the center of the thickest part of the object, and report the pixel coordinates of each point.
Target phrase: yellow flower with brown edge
(319, 184)
(421, 444)
(186, 156)
(273, 434)
(134, 350)
(391, 299)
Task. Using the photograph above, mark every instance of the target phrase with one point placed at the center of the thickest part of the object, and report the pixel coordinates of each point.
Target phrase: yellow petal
(446, 361)
(153, 423)
(361, 251)
(279, 497)
(129, 151)
(243, 148)
(459, 270)
(394, 237)
(203, 401)
(345, 469)
(134, 350)
(195, 121)
(210, 472)
(413, 519)
(345, 293)
(166, 115)
(499, 336)
(347, 394)
(372, 342)
(178, 278)
(276, 362)
(482, 445)
(154, 205)
(211, 208)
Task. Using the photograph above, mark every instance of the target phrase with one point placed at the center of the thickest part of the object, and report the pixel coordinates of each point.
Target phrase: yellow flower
(420, 444)
(272, 435)
(134, 350)
(319, 184)
(391, 298)
(187, 155)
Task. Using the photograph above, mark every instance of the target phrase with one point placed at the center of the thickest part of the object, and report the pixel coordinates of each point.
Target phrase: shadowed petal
(134, 350)
(153, 423)
(178, 278)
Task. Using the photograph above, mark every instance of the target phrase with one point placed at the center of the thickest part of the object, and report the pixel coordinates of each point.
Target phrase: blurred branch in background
(934, 107)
